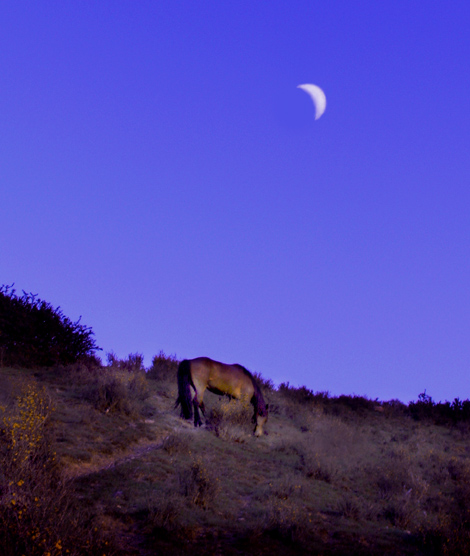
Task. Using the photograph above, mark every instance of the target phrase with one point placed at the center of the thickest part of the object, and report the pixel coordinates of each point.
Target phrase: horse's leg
(198, 402)
(197, 417)
(199, 405)
(254, 403)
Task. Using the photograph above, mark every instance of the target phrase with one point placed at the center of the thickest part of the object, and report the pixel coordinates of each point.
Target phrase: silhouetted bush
(163, 367)
(441, 413)
(133, 363)
(300, 395)
(266, 384)
(34, 334)
(357, 403)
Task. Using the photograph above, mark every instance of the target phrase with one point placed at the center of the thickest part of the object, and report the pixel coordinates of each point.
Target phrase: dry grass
(93, 456)
(230, 419)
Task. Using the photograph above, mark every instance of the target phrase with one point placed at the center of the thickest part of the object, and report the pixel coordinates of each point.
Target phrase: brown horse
(197, 375)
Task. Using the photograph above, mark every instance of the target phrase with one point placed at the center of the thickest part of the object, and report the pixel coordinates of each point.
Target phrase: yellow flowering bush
(38, 514)
(24, 428)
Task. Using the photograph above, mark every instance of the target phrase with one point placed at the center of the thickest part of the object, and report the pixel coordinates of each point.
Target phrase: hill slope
(106, 451)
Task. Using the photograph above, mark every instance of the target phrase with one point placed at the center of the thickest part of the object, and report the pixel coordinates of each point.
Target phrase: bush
(134, 362)
(39, 510)
(441, 413)
(164, 367)
(198, 483)
(266, 384)
(34, 334)
(300, 395)
(114, 391)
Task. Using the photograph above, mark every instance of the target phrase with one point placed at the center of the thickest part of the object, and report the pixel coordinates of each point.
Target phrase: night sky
(163, 177)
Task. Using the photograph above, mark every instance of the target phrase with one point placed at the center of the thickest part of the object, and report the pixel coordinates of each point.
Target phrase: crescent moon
(318, 97)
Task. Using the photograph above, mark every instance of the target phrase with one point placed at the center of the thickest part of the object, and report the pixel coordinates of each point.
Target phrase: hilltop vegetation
(96, 460)
(35, 334)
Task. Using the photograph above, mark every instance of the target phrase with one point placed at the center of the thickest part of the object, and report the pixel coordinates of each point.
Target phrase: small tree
(34, 334)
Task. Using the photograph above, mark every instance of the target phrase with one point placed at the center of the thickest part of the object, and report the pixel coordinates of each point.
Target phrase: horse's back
(230, 379)
(201, 367)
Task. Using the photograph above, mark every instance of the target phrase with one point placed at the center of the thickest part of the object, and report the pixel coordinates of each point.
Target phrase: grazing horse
(197, 375)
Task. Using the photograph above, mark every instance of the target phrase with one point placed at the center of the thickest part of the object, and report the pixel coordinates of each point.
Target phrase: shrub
(112, 390)
(348, 506)
(39, 511)
(198, 483)
(34, 334)
(164, 367)
(231, 419)
(441, 413)
(300, 395)
(285, 520)
(266, 384)
(134, 362)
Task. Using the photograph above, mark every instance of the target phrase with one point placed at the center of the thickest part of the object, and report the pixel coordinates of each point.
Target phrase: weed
(349, 507)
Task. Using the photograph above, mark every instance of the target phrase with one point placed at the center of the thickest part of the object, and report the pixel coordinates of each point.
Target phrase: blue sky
(162, 176)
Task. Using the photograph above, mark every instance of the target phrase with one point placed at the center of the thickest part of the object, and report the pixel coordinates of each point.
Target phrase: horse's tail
(184, 392)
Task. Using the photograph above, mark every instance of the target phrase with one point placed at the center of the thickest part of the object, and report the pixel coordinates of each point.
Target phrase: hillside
(98, 461)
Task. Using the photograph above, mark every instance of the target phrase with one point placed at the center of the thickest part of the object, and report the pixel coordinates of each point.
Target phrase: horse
(200, 374)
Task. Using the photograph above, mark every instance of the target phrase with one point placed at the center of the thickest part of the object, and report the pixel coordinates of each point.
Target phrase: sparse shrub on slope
(134, 362)
(341, 406)
(112, 390)
(34, 334)
(301, 395)
(198, 483)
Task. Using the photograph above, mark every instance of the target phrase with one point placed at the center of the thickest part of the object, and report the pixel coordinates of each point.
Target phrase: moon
(318, 97)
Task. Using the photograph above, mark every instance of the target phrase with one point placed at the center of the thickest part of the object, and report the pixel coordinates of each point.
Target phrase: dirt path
(102, 463)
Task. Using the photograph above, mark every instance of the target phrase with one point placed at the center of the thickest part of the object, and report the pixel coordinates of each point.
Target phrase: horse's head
(260, 420)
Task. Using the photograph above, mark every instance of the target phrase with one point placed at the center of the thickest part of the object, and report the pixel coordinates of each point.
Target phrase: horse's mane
(259, 400)
(244, 369)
